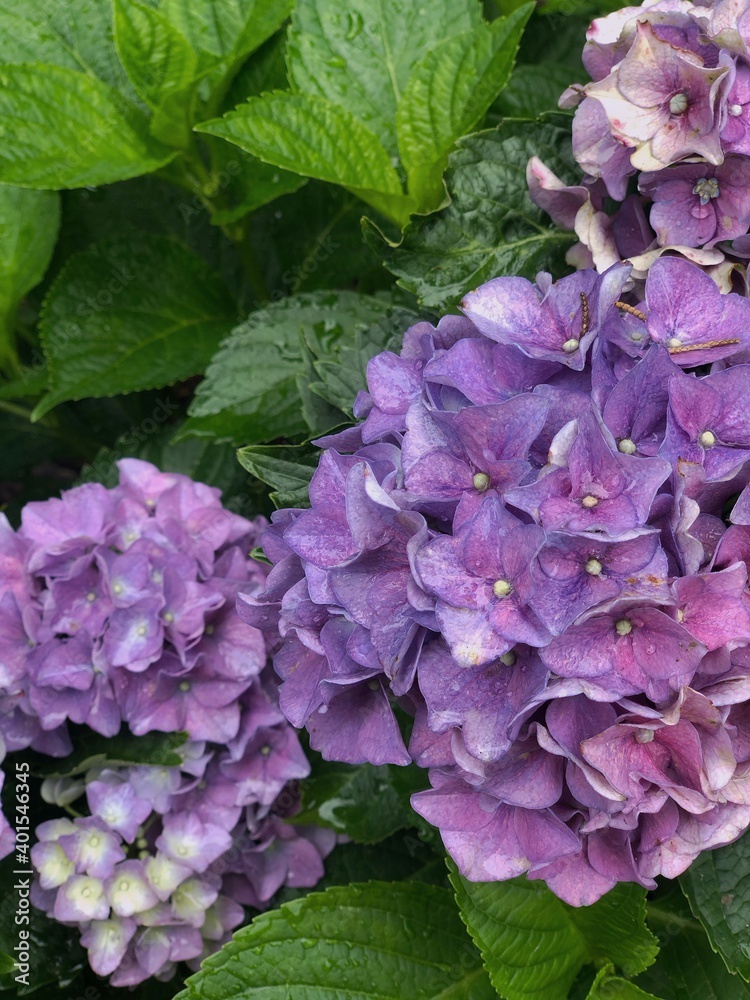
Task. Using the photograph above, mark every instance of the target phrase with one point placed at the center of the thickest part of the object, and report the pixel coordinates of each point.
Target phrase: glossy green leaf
(93, 750)
(286, 469)
(226, 28)
(157, 58)
(393, 941)
(608, 986)
(360, 55)
(250, 393)
(365, 802)
(534, 944)
(131, 313)
(316, 138)
(242, 183)
(64, 129)
(448, 94)
(342, 376)
(29, 222)
(162, 67)
(404, 857)
(74, 34)
(687, 968)
(491, 226)
(717, 886)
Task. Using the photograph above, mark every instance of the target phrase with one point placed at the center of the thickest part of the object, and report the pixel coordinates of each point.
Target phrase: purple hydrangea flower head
(670, 97)
(663, 101)
(104, 594)
(535, 561)
(176, 900)
(117, 611)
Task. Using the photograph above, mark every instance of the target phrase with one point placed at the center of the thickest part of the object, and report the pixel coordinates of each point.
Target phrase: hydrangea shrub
(518, 594)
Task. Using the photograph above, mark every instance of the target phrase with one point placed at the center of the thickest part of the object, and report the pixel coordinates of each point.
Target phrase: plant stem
(15, 409)
(253, 270)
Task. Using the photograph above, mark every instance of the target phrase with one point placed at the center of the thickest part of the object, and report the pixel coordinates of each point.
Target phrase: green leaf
(319, 414)
(29, 222)
(74, 34)
(687, 968)
(556, 39)
(316, 138)
(400, 858)
(93, 750)
(608, 986)
(448, 94)
(227, 28)
(250, 393)
(204, 460)
(63, 129)
(534, 944)
(29, 382)
(131, 313)
(532, 91)
(360, 55)
(717, 886)
(287, 470)
(35, 462)
(244, 183)
(344, 374)
(393, 941)
(327, 252)
(491, 226)
(157, 58)
(7, 964)
(365, 802)
(162, 67)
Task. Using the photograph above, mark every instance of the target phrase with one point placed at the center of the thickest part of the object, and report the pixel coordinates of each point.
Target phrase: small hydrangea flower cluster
(670, 102)
(117, 606)
(160, 870)
(522, 543)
